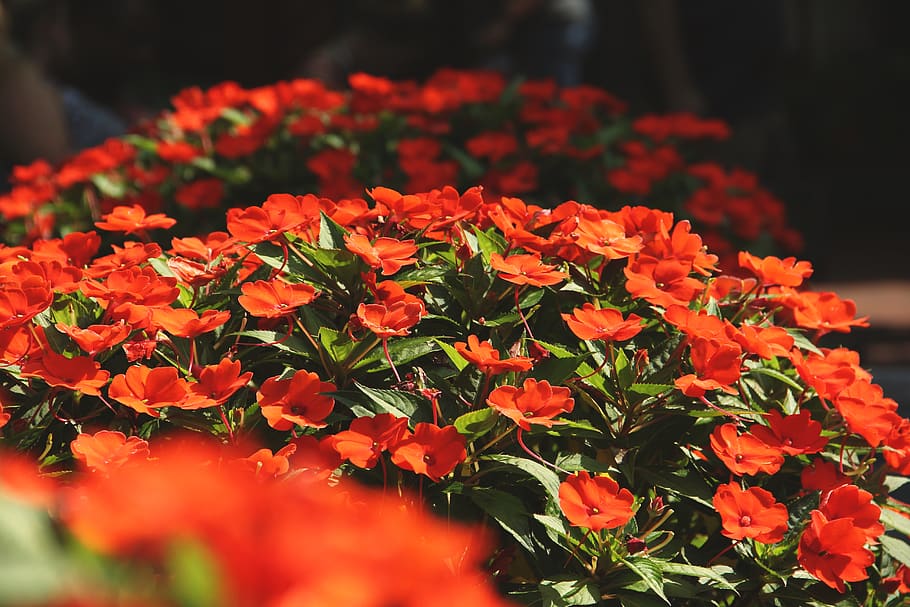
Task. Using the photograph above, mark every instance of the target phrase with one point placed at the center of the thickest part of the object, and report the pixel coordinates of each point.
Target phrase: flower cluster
(631, 422)
(228, 145)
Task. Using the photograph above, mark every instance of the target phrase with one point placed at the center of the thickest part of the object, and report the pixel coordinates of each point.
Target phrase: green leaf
(560, 592)
(895, 521)
(715, 574)
(507, 510)
(624, 371)
(31, 567)
(402, 351)
(650, 573)
(457, 359)
(638, 599)
(893, 483)
(279, 341)
(400, 404)
(472, 169)
(896, 548)
(194, 575)
(331, 234)
(650, 389)
(475, 424)
(557, 529)
(778, 376)
(688, 486)
(338, 345)
(547, 477)
(109, 187)
(489, 242)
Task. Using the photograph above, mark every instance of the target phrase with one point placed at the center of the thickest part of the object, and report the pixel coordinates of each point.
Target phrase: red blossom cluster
(227, 145)
(585, 380)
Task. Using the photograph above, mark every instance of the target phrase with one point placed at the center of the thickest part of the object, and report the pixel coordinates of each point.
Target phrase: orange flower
(97, 338)
(793, 434)
(534, 403)
(834, 551)
(849, 501)
(387, 321)
(185, 322)
(367, 437)
(145, 390)
(753, 513)
(716, 364)
(595, 502)
(388, 253)
(821, 475)
(662, 282)
(106, 450)
(430, 450)
(280, 213)
(133, 220)
(775, 271)
(298, 401)
(744, 453)
(274, 298)
(267, 464)
(526, 270)
(602, 236)
(485, 357)
(867, 411)
(588, 322)
(80, 373)
(218, 383)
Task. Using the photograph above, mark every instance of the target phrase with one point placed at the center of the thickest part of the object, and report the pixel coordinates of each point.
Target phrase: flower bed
(630, 424)
(229, 146)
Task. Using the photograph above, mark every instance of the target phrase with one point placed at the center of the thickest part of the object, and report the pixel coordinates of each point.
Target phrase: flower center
(745, 520)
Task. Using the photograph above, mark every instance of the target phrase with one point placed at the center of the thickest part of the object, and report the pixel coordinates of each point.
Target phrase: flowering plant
(634, 426)
(228, 145)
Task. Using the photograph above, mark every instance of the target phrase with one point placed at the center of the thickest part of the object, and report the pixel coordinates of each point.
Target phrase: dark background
(815, 91)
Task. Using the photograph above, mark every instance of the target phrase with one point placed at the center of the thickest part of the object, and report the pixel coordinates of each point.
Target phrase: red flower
(744, 453)
(834, 551)
(794, 434)
(280, 213)
(775, 271)
(431, 450)
(526, 270)
(80, 373)
(716, 364)
(821, 475)
(485, 357)
(184, 322)
(274, 298)
(386, 321)
(296, 401)
(106, 450)
(218, 383)
(849, 501)
(133, 220)
(753, 513)
(145, 390)
(367, 437)
(595, 502)
(388, 253)
(588, 322)
(267, 464)
(201, 194)
(97, 338)
(534, 403)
